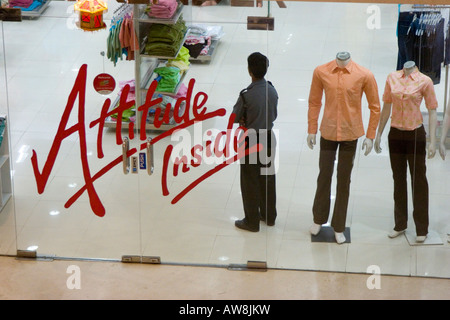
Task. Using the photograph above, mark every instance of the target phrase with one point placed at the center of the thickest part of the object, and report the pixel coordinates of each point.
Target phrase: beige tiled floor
(42, 280)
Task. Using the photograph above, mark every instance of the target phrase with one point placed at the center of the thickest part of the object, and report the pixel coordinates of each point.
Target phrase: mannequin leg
(347, 150)
(397, 155)
(321, 206)
(419, 182)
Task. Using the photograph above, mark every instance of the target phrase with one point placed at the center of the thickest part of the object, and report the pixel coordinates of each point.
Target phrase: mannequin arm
(367, 145)
(311, 140)
(384, 117)
(432, 125)
(445, 128)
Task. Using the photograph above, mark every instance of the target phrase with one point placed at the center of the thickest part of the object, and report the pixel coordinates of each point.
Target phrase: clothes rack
(435, 8)
(122, 8)
(122, 38)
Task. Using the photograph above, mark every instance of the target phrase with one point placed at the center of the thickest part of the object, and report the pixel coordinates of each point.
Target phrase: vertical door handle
(125, 158)
(150, 165)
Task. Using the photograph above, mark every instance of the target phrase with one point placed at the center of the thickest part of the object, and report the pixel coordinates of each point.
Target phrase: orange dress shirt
(406, 95)
(343, 87)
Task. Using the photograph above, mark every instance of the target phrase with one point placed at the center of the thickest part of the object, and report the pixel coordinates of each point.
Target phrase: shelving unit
(5, 167)
(145, 64)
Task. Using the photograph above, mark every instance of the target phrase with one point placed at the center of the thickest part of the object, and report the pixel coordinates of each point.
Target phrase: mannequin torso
(343, 58)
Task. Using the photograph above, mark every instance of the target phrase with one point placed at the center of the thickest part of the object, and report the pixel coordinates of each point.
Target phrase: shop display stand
(146, 64)
(433, 238)
(5, 167)
(151, 62)
(326, 234)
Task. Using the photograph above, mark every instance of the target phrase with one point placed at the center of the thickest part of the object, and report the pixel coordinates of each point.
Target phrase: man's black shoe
(242, 224)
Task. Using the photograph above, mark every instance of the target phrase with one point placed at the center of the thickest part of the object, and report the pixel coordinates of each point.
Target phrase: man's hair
(258, 64)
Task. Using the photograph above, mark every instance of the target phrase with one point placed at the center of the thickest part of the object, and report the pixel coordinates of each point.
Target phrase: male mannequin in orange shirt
(344, 83)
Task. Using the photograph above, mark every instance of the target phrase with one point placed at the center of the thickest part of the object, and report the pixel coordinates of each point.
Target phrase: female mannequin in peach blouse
(408, 68)
(403, 95)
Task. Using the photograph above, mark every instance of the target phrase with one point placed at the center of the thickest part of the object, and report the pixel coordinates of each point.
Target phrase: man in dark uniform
(256, 110)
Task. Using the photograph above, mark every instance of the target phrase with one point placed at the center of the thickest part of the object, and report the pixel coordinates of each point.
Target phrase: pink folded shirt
(163, 9)
(20, 3)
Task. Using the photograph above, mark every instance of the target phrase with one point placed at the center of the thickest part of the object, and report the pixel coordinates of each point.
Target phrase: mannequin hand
(367, 145)
(311, 140)
(431, 151)
(442, 150)
(377, 145)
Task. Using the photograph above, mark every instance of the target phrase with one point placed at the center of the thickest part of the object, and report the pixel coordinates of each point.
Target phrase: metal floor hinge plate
(32, 255)
(141, 259)
(250, 266)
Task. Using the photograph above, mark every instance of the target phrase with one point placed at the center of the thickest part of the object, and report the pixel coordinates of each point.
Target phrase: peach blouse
(406, 95)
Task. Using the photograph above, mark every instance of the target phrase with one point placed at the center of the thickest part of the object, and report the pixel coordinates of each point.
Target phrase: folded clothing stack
(165, 40)
(132, 92)
(197, 45)
(20, 3)
(128, 115)
(200, 38)
(25, 5)
(163, 9)
(181, 61)
(168, 79)
(165, 101)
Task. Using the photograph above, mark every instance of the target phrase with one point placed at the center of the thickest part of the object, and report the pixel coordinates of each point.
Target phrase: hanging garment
(421, 38)
(122, 40)
(447, 46)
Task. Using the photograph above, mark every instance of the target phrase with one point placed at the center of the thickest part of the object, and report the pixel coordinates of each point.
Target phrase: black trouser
(409, 148)
(327, 157)
(258, 187)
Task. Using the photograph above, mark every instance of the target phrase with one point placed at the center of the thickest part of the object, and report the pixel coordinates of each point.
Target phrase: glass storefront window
(119, 136)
